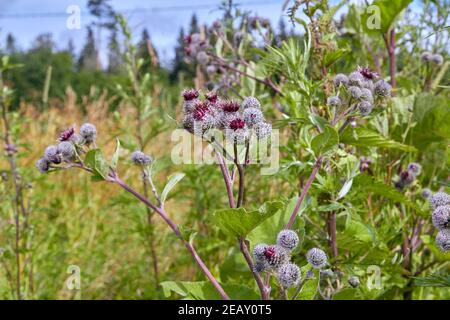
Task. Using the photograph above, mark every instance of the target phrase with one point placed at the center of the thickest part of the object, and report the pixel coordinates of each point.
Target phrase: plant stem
(333, 236)
(227, 179)
(161, 212)
(389, 40)
(241, 172)
(305, 190)
(265, 290)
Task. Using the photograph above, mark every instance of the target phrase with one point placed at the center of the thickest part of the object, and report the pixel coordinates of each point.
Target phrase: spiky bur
(439, 199)
(327, 273)
(88, 132)
(366, 95)
(288, 275)
(365, 108)
(202, 58)
(139, 158)
(353, 281)
(269, 257)
(437, 59)
(251, 102)
(426, 193)
(43, 165)
(317, 258)
(52, 155)
(415, 168)
(441, 217)
(355, 79)
(252, 116)
(67, 150)
(262, 130)
(367, 73)
(382, 89)
(443, 240)
(355, 92)
(340, 80)
(426, 56)
(333, 101)
(67, 134)
(406, 178)
(288, 239)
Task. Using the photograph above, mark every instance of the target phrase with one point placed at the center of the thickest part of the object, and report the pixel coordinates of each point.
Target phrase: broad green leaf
(382, 14)
(204, 290)
(239, 221)
(331, 207)
(360, 231)
(173, 180)
(309, 289)
(325, 141)
(267, 231)
(95, 160)
(362, 137)
(115, 158)
(432, 117)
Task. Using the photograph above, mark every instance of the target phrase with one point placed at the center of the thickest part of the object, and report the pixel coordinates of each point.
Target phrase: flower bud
(441, 217)
(43, 165)
(355, 79)
(443, 240)
(426, 56)
(355, 92)
(354, 281)
(252, 116)
(437, 59)
(139, 158)
(439, 199)
(89, 132)
(414, 168)
(382, 89)
(67, 150)
(317, 258)
(426, 193)
(365, 108)
(262, 129)
(288, 275)
(51, 155)
(287, 239)
(333, 101)
(251, 102)
(340, 79)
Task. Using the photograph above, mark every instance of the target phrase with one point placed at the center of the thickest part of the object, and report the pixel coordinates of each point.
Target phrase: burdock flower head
(287, 239)
(443, 240)
(317, 258)
(288, 275)
(190, 94)
(230, 106)
(237, 131)
(52, 155)
(66, 134)
(252, 116)
(355, 79)
(365, 108)
(139, 158)
(415, 168)
(67, 150)
(367, 73)
(251, 102)
(269, 256)
(437, 59)
(441, 217)
(333, 101)
(43, 165)
(88, 132)
(355, 92)
(439, 199)
(426, 193)
(382, 89)
(340, 79)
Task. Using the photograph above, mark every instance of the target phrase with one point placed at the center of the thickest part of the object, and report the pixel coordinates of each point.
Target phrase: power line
(134, 11)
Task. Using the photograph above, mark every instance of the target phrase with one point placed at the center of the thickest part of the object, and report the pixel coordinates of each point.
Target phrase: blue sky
(163, 22)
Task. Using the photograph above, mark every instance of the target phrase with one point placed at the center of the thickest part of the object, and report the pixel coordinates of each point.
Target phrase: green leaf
(173, 180)
(115, 158)
(432, 117)
(325, 141)
(309, 289)
(362, 137)
(239, 221)
(434, 280)
(388, 12)
(96, 161)
(204, 290)
(267, 230)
